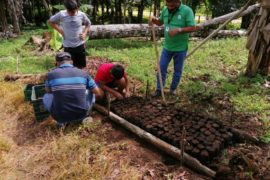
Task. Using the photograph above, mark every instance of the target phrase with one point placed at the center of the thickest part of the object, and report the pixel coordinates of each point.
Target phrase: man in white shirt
(73, 25)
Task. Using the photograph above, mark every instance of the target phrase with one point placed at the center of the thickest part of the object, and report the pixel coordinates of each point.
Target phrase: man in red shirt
(113, 79)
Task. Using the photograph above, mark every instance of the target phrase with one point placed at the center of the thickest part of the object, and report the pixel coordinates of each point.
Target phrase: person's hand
(152, 20)
(127, 94)
(173, 32)
(61, 32)
(83, 36)
(119, 96)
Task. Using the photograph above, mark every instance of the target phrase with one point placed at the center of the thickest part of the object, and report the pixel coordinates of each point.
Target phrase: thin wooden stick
(183, 139)
(218, 29)
(147, 90)
(158, 63)
(134, 89)
(17, 65)
(108, 103)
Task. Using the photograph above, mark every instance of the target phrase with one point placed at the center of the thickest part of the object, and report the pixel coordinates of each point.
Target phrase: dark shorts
(78, 55)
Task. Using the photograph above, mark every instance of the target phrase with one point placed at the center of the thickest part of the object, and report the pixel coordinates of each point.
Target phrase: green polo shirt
(182, 17)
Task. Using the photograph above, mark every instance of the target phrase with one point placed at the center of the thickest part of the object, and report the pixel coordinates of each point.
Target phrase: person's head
(117, 71)
(71, 6)
(62, 58)
(173, 4)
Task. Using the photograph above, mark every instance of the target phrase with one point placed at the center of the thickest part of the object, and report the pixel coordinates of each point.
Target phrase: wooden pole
(17, 65)
(221, 27)
(157, 57)
(188, 160)
(108, 103)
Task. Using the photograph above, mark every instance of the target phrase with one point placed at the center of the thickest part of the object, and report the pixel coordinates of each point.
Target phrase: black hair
(117, 71)
(71, 5)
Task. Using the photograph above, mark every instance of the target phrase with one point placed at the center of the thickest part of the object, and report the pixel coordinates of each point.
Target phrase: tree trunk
(45, 4)
(130, 14)
(246, 20)
(38, 18)
(108, 4)
(13, 13)
(156, 7)
(140, 12)
(102, 12)
(258, 44)
(3, 18)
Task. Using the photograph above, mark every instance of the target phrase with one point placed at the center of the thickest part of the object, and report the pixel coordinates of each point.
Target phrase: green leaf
(56, 40)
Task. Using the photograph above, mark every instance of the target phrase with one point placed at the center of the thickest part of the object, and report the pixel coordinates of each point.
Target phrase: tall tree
(13, 10)
(140, 11)
(3, 18)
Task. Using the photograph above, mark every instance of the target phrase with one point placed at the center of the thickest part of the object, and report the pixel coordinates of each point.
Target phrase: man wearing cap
(70, 91)
(69, 23)
(178, 21)
(112, 78)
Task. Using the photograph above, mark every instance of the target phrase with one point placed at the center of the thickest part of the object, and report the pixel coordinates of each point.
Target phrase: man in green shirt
(178, 21)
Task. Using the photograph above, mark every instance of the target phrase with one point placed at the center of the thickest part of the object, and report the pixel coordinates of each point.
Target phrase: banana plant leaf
(56, 40)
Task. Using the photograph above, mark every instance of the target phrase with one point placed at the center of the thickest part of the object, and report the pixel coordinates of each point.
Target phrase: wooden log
(224, 18)
(15, 77)
(36, 40)
(188, 160)
(142, 30)
(237, 14)
(243, 136)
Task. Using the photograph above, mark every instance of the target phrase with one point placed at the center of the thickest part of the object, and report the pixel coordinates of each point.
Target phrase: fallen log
(143, 30)
(224, 18)
(15, 77)
(230, 33)
(171, 150)
(245, 137)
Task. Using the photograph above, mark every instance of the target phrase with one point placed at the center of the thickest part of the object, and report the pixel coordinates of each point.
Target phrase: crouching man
(112, 78)
(70, 91)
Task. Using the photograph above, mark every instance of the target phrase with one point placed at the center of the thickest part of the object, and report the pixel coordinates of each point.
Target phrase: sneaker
(157, 93)
(87, 120)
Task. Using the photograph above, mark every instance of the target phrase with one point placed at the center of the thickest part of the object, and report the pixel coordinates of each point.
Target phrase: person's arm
(127, 94)
(47, 85)
(56, 27)
(189, 29)
(111, 91)
(86, 29)
(54, 22)
(155, 20)
(96, 91)
(190, 25)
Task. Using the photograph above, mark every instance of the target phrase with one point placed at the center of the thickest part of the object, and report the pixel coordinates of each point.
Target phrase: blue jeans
(90, 99)
(178, 58)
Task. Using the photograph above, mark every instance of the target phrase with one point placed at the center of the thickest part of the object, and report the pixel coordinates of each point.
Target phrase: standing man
(70, 91)
(69, 23)
(112, 78)
(178, 20)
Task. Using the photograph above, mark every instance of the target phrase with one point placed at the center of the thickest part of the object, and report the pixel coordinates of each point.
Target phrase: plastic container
(39, 110)
(27, 90)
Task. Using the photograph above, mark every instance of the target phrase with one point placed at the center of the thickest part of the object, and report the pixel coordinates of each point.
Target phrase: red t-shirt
(104, 73)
